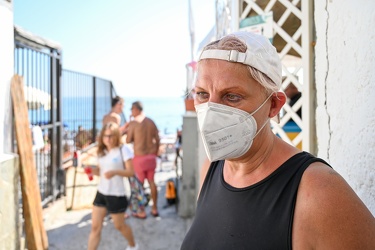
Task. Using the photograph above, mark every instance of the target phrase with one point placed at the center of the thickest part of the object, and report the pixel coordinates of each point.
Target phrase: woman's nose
(214, 98)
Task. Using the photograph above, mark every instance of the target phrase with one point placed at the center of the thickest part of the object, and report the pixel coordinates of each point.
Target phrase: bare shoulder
(204, 168)
(329, 214)
(112, 117)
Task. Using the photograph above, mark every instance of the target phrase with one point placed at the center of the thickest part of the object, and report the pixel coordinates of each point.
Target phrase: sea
(166, 112)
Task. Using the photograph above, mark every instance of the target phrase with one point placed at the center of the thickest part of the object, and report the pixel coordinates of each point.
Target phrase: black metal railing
(40, 66)
(65, 109)
(85, 100)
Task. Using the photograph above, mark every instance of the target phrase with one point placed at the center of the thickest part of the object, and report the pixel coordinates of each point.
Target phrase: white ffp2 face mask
(227, 132)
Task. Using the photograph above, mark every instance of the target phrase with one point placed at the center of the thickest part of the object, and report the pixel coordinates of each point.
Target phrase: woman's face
(108, 138)
(229, 84)
(119, 106)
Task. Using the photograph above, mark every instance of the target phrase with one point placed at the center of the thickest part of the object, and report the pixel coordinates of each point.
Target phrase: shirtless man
(144, 135)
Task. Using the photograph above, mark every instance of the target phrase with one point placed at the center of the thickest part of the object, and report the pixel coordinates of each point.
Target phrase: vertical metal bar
(94, 108)
(54, 140)
(111, 91)
(46, 157)
(34, 65)
(309, 99)
(60, 171)
(76, 81)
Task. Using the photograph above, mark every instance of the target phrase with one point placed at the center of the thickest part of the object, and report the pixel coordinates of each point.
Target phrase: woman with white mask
(260, 192)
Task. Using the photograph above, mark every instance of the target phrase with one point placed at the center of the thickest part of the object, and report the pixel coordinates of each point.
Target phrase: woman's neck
(251, 168)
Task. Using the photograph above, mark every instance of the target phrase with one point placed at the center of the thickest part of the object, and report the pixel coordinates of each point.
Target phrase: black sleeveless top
(256, 217)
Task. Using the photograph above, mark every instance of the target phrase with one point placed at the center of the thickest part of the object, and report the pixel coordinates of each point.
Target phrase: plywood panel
(36, 235)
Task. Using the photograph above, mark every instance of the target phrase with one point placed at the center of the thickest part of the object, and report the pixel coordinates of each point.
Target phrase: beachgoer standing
(143, 133)
(114, 115)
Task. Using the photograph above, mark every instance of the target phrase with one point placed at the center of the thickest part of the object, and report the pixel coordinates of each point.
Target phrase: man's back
(144, 136)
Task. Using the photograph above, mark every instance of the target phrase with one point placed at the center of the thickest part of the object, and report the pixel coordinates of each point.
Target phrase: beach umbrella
(36, 98)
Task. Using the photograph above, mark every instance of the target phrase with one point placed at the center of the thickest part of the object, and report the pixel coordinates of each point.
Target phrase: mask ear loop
(252, 113)
(257, 110)
(261, 127)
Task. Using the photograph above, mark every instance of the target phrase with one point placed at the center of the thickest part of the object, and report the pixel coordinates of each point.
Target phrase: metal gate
(85, 101)
(292, 27)
(39, 62)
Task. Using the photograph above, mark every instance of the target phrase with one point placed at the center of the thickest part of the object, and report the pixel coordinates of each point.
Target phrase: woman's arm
(329, 214)
(127, 172)
(95, 170)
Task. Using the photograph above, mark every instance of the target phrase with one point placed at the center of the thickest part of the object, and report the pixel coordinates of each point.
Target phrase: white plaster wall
(6, 73)
(345, 84)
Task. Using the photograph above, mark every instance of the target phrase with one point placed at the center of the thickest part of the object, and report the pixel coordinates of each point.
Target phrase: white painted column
(193, 158)
(235, 13)
(189, 183)
(309, 94)
(10, 221)
(345, 90)
(6, 73)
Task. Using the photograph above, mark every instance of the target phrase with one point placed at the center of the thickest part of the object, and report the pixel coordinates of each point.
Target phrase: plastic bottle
(88, 171)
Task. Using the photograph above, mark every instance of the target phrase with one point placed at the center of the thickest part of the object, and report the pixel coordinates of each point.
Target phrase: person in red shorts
(143, 133)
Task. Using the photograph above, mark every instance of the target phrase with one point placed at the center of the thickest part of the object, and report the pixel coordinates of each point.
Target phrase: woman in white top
(111, 194)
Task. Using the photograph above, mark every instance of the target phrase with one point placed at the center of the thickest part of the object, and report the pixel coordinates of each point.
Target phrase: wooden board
(36, 235)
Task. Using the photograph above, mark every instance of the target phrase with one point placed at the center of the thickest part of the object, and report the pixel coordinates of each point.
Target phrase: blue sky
(141, 45)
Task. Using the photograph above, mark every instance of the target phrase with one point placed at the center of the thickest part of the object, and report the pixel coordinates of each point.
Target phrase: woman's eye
(201, 96)
(232, 97)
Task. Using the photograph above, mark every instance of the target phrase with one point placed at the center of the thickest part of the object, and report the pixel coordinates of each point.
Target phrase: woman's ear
(278, 100)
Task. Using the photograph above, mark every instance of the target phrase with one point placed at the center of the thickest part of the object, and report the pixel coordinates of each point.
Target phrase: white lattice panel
(288, 26)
